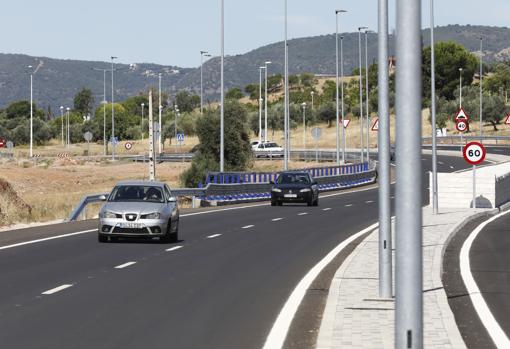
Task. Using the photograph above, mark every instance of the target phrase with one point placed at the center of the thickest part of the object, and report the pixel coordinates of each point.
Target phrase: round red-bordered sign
(462, 126)
(128, 145)
(474, 153)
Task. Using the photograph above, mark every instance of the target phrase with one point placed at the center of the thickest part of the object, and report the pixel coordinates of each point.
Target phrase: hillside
(58, 80)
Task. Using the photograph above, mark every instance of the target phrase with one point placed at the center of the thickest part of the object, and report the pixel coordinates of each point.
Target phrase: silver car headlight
(154, 215)
(306, 190)
(277, 190)
(107, 214)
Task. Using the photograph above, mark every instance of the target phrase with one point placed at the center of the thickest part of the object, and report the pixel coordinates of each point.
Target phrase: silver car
(139, 209)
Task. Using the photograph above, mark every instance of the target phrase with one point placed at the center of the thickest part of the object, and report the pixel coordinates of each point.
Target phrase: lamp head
(340, 11)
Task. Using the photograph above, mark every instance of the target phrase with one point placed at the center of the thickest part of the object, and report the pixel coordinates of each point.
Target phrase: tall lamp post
(367, 92)
(344, 143)
(304, 125)
(31, 112)
(360, 93)
(311, 95)
(265, 101)
(62, 121)
(435, 201)
(113, 113)
(222, 107)
(260, 103)
(141, 126)
(286, 99)
(202, 55)
(460, 87)
(337, 133)
(104, 107)
(68, 128)
(160, 108)
(481, 89)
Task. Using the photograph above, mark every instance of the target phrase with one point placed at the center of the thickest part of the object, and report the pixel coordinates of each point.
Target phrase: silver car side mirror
(102, 197)
(172, 199)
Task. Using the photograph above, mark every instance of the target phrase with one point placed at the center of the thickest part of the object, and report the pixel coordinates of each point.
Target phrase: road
(490, 267)
(222, 286)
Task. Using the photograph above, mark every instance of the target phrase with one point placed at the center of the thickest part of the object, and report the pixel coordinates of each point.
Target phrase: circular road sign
(474, 153)
(88, 136)
(316, 133)
(462, 126)
(128, 145)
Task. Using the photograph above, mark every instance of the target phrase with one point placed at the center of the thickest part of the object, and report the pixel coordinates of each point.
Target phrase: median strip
(125, 265)
(57, 289)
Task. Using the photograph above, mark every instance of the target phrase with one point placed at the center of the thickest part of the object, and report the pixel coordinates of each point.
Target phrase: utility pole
(481, 90)
(385, 243)
(260, 104)
(360, 94)
(222, 107)
(337, 133)
(141, 126)
(152, 162)
(265, 101)
(286, 99)
(344, 145)
(367, 95)
(62, 121)
(160, 110)
(408, 201)
(113, 114)
(435, 201)
(202, 54)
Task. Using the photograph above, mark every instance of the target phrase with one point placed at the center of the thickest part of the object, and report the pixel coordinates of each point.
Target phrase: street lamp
(344, 143)
(286, 99)
(360, 93)
(460, 88)
(31, 112)
(222, 107)
(104, 107)
(337, 133)
(113, 114)
(62, 121)
(202, 55)
(141, 127)
(265, 101)
(435, 201)
(176, 113)
(160, 110)
(367, 92)
(481, 88)
(68, 128)
(260, 103)
(304, 125)
(311, 94)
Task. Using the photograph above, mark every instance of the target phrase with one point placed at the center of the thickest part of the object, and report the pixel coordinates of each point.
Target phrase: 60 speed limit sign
(474, 153)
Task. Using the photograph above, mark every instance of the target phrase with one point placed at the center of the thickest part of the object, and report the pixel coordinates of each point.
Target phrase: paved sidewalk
(354, 317)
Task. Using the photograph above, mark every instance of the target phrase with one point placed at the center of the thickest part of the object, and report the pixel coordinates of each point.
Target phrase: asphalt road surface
(490, 266)
(222, 286)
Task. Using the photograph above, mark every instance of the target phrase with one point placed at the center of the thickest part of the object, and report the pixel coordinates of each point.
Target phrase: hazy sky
(173, 32)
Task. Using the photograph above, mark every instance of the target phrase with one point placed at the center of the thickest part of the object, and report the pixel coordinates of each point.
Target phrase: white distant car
(268, 149)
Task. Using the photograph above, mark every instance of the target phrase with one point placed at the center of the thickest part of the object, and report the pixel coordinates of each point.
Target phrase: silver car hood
(133, 207)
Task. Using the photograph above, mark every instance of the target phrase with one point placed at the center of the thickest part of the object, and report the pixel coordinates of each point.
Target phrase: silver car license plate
(131, 225)
(290, 195)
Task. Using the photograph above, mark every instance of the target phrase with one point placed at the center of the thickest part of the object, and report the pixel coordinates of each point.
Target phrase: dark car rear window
(293, 178)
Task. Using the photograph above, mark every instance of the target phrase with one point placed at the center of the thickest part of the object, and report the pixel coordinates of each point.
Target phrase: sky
(173, 32)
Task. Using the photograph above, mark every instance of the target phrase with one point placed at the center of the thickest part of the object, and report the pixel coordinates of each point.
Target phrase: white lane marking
(248, 226)
(440, 163)
(173, 248)
(276, 219)
(348, 205)
(422, 159)
(213, 236)
(46, 239)
(326, 209)
(369, 201)
(497, 334)
(125, 265)
(281, 326)
(451, 167)
(57, 289)
(302, 213)
(392, 197)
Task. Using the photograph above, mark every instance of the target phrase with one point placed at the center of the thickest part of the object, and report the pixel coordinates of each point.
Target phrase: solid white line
(276, 219)
(125, 265)
(173, 248)
(213, 236)
(57, 289)
(349, 205)
(497, 334)
(46, 239)
(302, 213)
(248, 226)
(326, 209)
(281, 326)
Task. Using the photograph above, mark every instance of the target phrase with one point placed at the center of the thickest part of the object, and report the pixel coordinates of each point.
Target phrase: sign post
(88, 137)
(316, 135)
(474, 153)
(460, 118)
(152, 164)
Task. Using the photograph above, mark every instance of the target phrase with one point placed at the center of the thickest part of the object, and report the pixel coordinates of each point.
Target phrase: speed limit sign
(474, 153)
(462, 126)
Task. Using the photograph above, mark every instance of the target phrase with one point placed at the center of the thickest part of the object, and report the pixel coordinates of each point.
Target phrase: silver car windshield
(136, 193)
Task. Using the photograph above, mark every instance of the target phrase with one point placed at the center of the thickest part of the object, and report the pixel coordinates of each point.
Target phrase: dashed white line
(125, 265)
(173, 248)
(326, 209)
(451, 167)
(440, 163)
(57, 289)
(369, 202)
(213, 236)
(248, 226)
(348, 205)
(302, 213)
(276, 219)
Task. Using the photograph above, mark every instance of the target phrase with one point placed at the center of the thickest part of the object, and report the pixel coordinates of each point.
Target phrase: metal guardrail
(88, 199)
(452, 138)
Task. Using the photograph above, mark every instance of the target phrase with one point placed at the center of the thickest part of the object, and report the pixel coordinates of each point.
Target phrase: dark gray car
(139, 209)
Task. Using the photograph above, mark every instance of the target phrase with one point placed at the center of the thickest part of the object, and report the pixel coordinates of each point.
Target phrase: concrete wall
(455, 190)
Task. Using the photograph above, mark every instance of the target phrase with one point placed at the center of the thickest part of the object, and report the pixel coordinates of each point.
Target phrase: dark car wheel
(310, 202)
(169, 236)
(316, 202)
(273, 203)
(102, 238)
